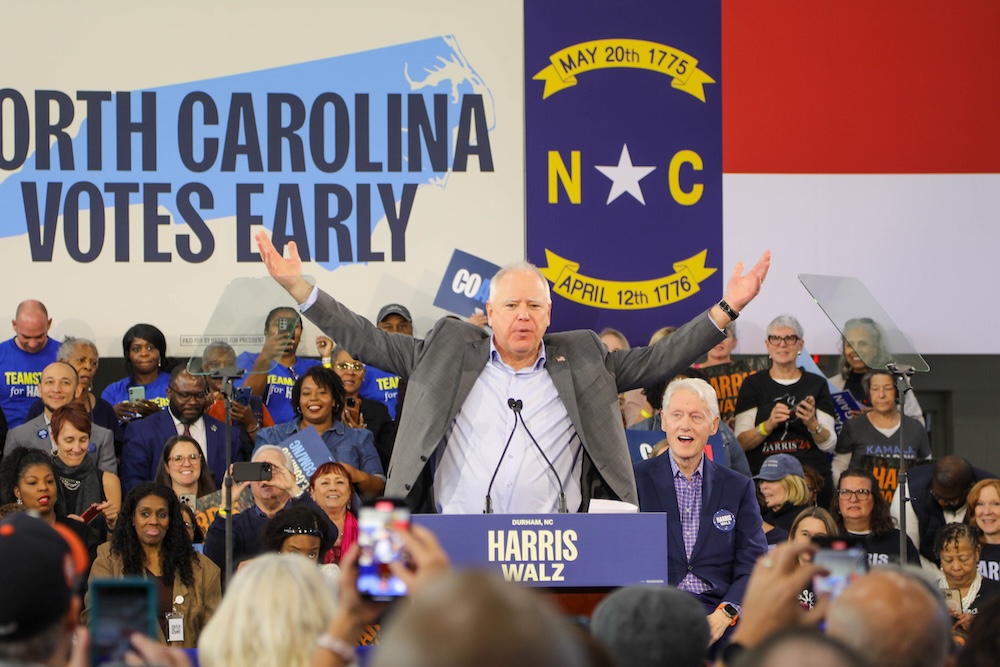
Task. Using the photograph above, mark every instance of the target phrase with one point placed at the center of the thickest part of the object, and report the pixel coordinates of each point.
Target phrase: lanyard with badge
(175, 622)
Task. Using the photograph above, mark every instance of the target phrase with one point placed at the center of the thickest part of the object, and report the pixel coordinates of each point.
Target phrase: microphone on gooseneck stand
(562, 494)
(516, 407)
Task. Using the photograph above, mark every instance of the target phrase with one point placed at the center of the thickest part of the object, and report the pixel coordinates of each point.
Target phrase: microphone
(516, 407)
(562, 493)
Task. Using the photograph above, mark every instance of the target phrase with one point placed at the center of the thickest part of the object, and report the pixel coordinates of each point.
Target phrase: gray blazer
(441, 370)
(26, 435)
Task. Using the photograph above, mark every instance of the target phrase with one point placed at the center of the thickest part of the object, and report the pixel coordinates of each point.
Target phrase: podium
(578, 558)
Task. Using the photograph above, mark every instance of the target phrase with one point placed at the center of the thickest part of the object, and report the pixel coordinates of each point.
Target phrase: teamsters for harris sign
(318, 152)
(624, 159)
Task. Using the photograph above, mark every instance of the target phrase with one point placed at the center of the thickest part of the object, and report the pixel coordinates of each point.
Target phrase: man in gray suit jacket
(461, 380)
(57, 387)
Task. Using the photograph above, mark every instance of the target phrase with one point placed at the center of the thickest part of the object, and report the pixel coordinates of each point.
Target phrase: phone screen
(379, 547)
(243, 395)
(121, 607)
(845, 560)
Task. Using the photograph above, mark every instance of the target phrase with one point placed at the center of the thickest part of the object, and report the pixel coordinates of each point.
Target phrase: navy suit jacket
(722, 558)
(144, 440)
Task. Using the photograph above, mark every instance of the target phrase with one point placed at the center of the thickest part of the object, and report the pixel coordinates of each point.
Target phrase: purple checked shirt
(689, 504)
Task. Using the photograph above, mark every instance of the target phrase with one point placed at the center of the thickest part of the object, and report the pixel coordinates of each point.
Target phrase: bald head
(474, 618)
(57, 386)
(893, 618)
(31, 326)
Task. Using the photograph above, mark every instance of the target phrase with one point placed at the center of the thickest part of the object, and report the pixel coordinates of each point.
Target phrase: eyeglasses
(860, 494)
(188, 396)
(180, 458)
(787, 340)
(356, 366)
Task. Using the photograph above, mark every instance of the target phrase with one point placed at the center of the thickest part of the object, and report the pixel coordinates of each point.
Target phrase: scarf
(78, 486)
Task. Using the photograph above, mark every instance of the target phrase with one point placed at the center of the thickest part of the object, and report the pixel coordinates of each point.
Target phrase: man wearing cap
(552, 396)
(783, 486)
(380, 385)
(714, 533)
(39, 570)
(57, 387)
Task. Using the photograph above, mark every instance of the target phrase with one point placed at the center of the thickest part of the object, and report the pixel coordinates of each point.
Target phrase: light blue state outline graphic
(427, 67)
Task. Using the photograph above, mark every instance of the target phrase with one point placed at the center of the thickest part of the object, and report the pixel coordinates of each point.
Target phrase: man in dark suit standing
(713, 519)
(142, 454)
(552, 396)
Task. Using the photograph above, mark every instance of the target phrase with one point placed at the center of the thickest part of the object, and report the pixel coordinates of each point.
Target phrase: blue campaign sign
(557, 550)
(465, 285)
(641, 443)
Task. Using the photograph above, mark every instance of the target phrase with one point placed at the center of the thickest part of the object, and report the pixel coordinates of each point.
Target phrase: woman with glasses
(319, 400)
(184, 469)
(364, 413)
(787, 410)
(860, 509)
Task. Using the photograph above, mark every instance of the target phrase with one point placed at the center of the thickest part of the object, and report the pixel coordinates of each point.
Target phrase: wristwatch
(728, 310)
(731, 611)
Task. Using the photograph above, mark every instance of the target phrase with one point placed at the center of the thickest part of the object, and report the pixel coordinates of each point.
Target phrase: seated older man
(713, 519)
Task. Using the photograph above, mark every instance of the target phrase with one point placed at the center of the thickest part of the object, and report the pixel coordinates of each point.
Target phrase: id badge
(175, 627)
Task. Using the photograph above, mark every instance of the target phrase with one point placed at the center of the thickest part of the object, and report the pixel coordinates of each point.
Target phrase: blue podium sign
(558, 550)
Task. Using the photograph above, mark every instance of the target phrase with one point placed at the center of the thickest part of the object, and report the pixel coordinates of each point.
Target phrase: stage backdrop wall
(856, 141)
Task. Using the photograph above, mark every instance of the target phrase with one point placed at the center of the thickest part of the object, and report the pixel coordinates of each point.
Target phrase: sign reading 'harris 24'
(624, 160)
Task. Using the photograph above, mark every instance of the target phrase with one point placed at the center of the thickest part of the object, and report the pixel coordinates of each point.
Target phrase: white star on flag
(624, 177)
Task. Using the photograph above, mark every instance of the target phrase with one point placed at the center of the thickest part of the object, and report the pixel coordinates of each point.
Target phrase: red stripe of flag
(891, 86)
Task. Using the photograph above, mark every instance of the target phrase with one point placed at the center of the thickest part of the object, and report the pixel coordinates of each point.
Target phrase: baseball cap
(394, 309)
(652, 625)
(39, 567)
(779, 466)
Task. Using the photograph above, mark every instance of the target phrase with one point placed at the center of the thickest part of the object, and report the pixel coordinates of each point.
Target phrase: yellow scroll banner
(568, 283)
(630, 53)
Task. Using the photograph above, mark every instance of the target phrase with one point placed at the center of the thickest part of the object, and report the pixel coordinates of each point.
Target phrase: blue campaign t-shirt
(156, 391)
(380, 386)
(20, 373)
(280, 380)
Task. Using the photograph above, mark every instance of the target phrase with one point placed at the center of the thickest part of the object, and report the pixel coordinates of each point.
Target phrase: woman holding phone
(144, 390)
(151, 542)
(84, 490)
(364, 413)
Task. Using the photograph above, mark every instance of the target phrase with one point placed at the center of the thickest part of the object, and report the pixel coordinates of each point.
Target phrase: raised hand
(287, 272)
(743, 288)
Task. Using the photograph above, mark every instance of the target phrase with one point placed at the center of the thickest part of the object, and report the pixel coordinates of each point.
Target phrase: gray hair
(785, 321)
(699, 388)
(283, 453)
(869, 325)
(68, 346)
(731, 329)
(294, 608)
(517, 267)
